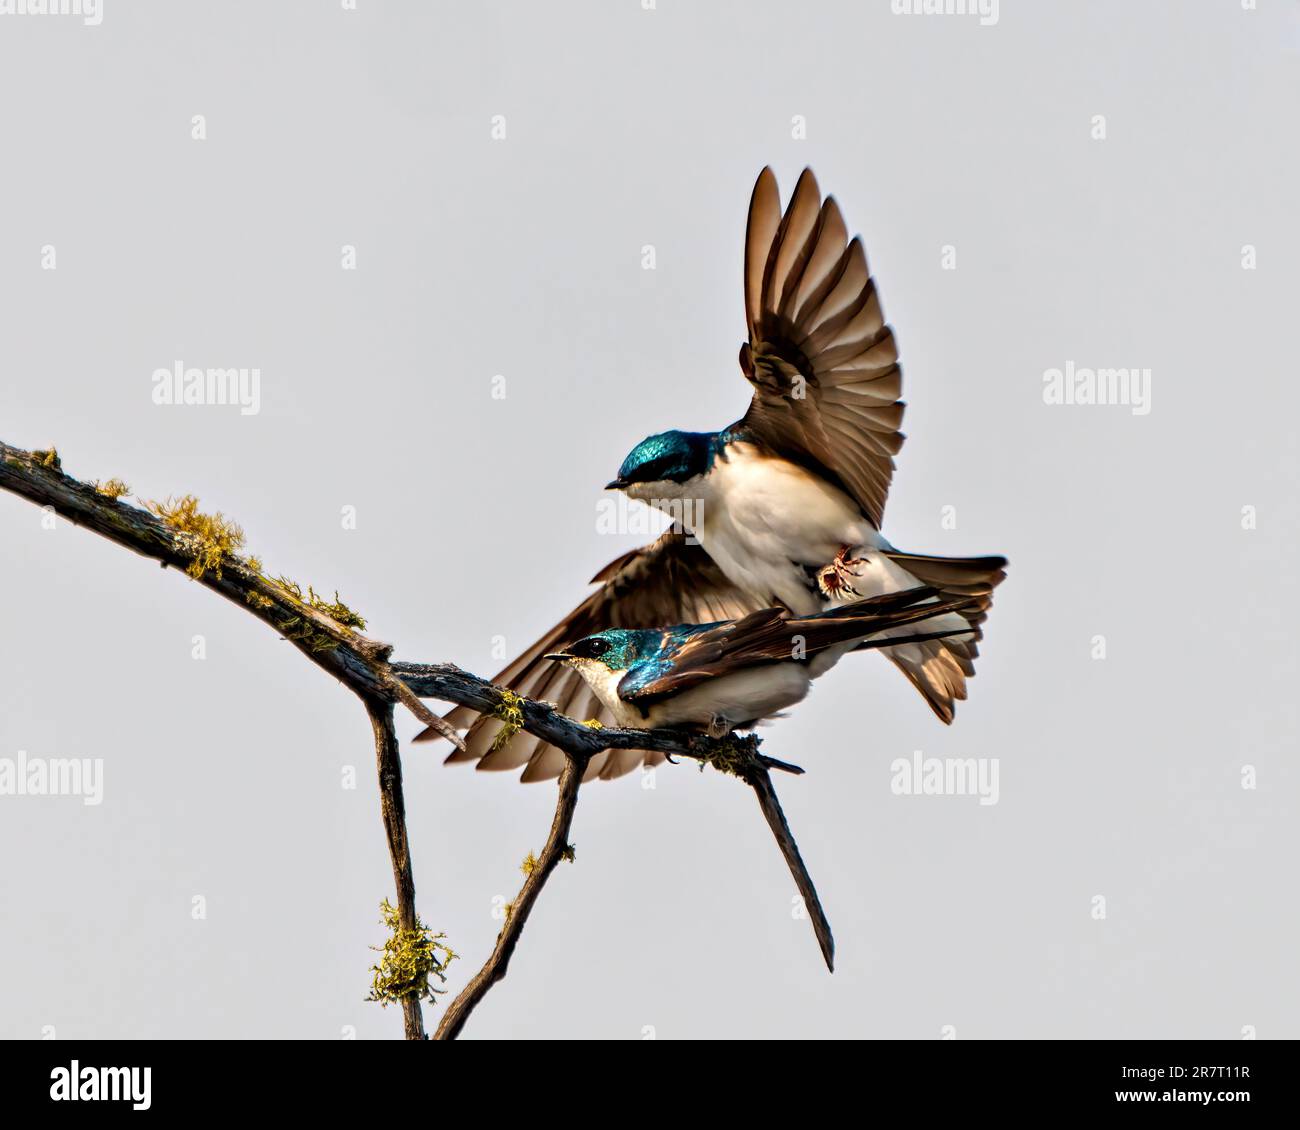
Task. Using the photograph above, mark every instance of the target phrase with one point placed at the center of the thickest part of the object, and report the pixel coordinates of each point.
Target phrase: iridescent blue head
(615, 648)
(673, 457)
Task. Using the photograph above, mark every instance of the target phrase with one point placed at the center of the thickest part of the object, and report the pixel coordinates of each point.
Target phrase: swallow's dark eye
(590, 648)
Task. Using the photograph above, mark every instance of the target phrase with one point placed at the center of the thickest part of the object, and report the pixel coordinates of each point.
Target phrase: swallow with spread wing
(785, 505)
(731, 675)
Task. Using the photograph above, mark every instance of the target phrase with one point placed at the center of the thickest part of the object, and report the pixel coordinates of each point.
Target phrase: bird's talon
(834, 580)
(718, 727)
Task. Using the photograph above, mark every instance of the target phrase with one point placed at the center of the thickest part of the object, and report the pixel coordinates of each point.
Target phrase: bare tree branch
(761, 782)
(351, 657)
(364, 666)
(557, 847)
(447, 682)
(389, 765)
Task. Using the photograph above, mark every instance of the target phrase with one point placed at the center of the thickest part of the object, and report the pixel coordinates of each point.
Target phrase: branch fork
(365, 666)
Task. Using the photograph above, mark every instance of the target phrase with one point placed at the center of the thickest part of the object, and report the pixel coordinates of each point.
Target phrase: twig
(388, 763)
(761, 782)
(557, 845)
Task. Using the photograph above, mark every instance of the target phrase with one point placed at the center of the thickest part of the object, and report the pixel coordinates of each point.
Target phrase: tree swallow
(788, 501)
(783, 507)
(731, 675)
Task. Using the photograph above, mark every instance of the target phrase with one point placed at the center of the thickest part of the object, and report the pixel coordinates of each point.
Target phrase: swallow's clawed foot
(718, 726)
(836, 579)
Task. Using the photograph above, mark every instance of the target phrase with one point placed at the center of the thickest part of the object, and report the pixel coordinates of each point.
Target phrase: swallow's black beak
(616, 484)
(559, 656)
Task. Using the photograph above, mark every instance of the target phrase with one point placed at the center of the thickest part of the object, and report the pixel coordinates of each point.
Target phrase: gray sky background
(476, 517)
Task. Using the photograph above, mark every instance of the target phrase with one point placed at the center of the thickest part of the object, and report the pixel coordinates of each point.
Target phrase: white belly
(746, 696)
(764, 517)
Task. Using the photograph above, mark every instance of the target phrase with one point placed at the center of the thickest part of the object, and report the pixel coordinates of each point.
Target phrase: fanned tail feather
(939, 668)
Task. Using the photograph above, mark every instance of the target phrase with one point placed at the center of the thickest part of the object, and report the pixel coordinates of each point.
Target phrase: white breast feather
(761, 514)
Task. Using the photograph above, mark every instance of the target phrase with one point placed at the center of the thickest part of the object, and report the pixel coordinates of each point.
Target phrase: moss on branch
(410, 958)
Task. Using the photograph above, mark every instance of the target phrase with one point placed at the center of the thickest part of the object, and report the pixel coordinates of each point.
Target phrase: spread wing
(669, 581)
(771, 635)
(822, 361)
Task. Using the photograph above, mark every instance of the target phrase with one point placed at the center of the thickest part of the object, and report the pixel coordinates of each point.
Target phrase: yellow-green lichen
(49, 458)
(531, 863)
(301, 629)
(732, 756)
(114, 488)
(510, 712)
(335, 609)
(410, 957)
(529, 867)
(253, 564)
(210, 540)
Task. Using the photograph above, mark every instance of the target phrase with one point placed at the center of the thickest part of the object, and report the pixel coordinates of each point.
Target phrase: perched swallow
(783, 507)
(731, 675)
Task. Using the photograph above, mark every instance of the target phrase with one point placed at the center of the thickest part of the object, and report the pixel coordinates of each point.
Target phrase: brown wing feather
(669, 581)
(760, 230)
(769, 636)
(820, 356)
